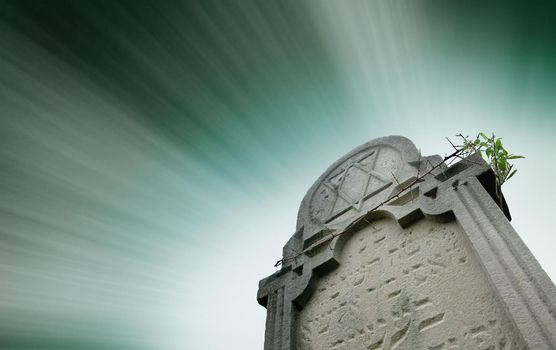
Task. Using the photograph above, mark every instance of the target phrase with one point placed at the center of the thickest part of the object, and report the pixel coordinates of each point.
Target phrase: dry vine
(456, 154)
(491, 147)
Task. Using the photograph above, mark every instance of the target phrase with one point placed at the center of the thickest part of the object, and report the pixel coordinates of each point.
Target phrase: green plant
(496, 155)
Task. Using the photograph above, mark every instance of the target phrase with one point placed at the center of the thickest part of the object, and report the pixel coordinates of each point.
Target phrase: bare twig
(394, 176)
(331, 236)
(418, 170)
(454, 146)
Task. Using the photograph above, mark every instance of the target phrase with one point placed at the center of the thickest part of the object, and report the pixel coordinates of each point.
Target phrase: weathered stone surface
(414, 288)
(438, 267)
(357, 181)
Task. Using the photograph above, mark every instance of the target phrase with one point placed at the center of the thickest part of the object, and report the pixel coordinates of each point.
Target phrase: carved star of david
(356, 203)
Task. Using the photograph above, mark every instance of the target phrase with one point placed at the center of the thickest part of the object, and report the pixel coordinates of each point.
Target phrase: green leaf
(502, 165)
(492, 148)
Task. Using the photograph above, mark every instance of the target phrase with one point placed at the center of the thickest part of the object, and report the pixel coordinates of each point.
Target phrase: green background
(153, 154)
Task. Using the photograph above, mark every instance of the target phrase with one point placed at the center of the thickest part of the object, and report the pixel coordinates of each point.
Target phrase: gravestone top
(359, 180)
(394, 250)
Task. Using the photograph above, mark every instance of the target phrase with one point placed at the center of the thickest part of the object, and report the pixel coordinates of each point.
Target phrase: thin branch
(331, 236)
(454, 146)
(418, 170)
(394, 176)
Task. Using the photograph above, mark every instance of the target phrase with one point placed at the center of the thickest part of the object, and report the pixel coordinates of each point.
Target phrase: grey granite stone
(437, 267)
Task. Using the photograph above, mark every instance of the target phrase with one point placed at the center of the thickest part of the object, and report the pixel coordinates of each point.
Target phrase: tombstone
(437, 267)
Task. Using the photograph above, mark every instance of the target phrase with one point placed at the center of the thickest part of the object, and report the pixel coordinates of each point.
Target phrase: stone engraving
(356, 180)
(414, 288)
(435, 267)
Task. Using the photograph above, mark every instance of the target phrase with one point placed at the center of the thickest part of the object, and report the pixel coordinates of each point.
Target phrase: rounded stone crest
(359, 178)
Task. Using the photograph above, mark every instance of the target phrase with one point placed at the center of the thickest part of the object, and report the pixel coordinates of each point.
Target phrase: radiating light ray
(153, 155)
